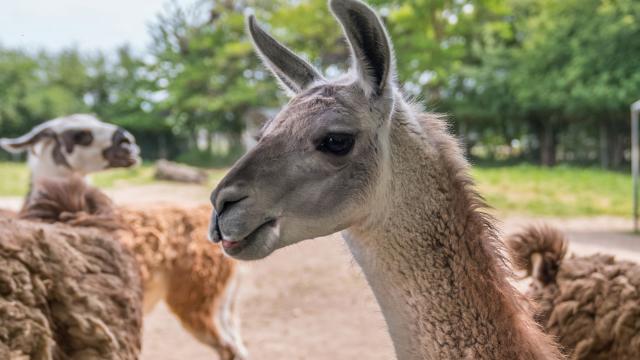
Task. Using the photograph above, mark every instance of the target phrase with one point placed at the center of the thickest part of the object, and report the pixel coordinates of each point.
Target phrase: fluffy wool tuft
(591, 304)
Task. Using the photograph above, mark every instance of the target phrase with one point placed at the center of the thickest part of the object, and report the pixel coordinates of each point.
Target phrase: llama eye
(84, 138)
(337, 144)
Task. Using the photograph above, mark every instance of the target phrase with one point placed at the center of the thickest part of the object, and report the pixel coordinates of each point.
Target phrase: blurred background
(526, 83)
(538, 91)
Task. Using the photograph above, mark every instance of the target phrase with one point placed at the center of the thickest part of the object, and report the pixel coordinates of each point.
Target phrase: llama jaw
(123, 151)
(258, 244)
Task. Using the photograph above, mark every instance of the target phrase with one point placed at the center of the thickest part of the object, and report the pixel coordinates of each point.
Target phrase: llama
(352, 155)
(74, 145)
(177, 263)
(68, 290)
(589, 303)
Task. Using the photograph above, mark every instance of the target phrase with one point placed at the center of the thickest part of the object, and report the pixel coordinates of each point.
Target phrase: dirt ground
(310, 301)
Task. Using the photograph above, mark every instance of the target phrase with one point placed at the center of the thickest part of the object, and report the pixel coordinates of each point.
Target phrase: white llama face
(80, 143)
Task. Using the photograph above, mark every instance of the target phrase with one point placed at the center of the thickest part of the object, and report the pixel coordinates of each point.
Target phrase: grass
(562, 191)
(14, 178)
(121, 177)
(522, 189)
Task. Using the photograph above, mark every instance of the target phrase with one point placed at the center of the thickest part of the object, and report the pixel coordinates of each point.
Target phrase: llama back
(67, 290)
(157, 234)
(588, 303)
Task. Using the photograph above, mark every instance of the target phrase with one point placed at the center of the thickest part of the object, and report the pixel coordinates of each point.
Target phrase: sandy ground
(310, 301)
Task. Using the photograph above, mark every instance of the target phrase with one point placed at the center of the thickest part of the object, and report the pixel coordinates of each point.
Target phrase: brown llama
(591, 304)
(68, 290)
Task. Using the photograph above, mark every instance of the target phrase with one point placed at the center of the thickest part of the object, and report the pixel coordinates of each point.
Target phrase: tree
(36, 88)
(206, 68)
(578, 62)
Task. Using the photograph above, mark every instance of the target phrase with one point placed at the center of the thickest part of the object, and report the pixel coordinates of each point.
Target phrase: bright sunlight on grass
(119, 177)
(560, 191)
(523, 189)
(14, 178)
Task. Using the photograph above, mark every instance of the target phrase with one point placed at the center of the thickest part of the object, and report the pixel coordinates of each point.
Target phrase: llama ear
(294, 73)
(371, 50)
(24, 142)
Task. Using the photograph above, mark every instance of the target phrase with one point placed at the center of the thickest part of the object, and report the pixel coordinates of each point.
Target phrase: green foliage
(34, 88)
(205, 66)
(309, 29)
(578, 58)
(210, 160)
(555, 76)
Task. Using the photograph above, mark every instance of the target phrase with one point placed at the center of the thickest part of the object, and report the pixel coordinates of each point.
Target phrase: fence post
(635, 160)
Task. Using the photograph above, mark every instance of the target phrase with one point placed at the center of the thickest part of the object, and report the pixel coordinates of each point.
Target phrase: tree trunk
(163, 153)
(604, 145)
(619, 142)
(193, 139)
(209, 141)
(547, 138)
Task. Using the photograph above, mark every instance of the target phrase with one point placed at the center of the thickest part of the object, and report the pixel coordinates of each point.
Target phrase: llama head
(318, 163)
(76, 144)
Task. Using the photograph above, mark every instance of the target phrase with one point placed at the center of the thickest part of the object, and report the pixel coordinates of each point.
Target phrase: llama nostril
(225, 205)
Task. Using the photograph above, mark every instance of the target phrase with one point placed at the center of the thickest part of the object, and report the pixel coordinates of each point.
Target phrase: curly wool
(176, 261)
(67, 290)
(67, 293)
(591, 304)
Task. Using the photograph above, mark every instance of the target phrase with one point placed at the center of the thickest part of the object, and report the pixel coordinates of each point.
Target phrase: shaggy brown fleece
(177, 262)
(591, 304)
(7, 214)
(67, 291)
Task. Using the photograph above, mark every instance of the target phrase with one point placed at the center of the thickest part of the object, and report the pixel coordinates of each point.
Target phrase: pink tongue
(229, 244)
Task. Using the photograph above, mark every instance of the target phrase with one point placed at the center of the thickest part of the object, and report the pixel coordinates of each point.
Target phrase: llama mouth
(122, 153)
(234, 248)
(124, 162)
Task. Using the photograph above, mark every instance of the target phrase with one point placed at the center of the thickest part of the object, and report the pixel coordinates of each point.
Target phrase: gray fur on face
(273, 191)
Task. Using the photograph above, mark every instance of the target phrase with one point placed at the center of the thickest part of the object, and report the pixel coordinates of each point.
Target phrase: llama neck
(432, 261)
(42, 168)
(43, 165)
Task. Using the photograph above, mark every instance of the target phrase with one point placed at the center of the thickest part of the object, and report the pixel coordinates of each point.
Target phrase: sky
(87, 24)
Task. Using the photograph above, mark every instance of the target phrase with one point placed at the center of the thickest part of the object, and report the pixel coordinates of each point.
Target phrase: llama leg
(228, 316)
(200, 323)
(192, 300)
(155, 289)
